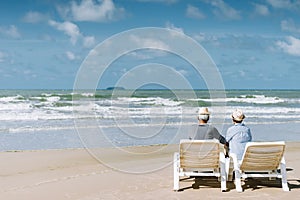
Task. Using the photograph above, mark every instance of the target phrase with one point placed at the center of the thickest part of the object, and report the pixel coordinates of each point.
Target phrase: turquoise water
(47, 119)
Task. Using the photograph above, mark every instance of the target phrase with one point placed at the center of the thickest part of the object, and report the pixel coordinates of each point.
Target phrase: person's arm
(226, 150)
(226, 145)
(222, 139)
(218, 136)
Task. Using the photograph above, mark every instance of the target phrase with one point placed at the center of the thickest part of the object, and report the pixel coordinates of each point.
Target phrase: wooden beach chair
(261, 159)
(199, 158)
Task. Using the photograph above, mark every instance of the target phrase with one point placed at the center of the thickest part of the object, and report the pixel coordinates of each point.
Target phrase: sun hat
(203, 111)
(238, 115)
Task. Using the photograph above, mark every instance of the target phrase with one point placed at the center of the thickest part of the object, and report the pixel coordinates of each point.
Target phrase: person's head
(203, 114)
(238, 116)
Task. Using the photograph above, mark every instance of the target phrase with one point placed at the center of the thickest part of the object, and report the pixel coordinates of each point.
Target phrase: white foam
(257, 99)
(157, 101)
(11, 107)
(53, 99)
(87, 94)
(16, 98)
(16, 109)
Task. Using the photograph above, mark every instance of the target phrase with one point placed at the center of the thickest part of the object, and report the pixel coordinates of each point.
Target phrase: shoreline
(70, 139)
(76, 174)
(289, 144)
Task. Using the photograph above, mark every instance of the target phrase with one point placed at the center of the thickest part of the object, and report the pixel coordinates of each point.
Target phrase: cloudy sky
(255, 44)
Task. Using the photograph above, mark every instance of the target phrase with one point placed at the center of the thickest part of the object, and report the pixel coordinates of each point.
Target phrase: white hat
(238, 115)
(203, 111)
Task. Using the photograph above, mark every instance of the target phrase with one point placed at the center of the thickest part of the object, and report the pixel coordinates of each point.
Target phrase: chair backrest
(199, 154)
(262, 156)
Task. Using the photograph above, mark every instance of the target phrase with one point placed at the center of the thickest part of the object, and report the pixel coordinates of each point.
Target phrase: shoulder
(194, 125)
(212, 128)
(245, 127)
(230, 128)
(248, 129)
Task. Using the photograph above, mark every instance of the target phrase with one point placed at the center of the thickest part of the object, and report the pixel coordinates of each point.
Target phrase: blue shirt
(238, 135)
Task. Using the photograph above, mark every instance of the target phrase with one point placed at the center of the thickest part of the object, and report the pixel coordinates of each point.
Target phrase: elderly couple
(236, 136)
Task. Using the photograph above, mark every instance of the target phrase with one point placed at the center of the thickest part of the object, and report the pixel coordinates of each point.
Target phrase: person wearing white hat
(205, 131)
(238, 135)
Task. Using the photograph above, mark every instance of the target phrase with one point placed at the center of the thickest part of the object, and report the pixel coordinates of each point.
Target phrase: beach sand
(76, 174)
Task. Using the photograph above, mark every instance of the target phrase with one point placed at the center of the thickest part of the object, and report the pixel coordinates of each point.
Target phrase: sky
(255, 44)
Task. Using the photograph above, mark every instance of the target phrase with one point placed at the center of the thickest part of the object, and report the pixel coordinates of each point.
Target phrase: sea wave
(253, 99)
(26, 111)
(36, 109)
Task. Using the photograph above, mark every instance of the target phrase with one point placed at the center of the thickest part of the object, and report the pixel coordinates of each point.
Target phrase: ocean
(61, 119)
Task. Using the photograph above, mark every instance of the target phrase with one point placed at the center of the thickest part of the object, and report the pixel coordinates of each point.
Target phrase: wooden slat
(263, 157)
(199, 155)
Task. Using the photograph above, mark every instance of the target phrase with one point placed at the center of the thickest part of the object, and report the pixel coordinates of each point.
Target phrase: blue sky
(254, 44)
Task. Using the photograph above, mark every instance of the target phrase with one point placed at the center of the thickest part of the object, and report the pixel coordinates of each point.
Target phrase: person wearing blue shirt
(238, 135)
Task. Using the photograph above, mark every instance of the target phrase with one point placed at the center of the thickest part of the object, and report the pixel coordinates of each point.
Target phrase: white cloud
(147, 54)
(27, 72)
(159, 1)
(34, 17)
(149, 42)
(140, 56)
(200, 37)
(96, 11)
(290, 46)
(261, 10)
(2, 56)
(70, 55)
(72, 30)
(194, 12)
(173, 27)
(11, 31)
(89, 41)
(183, 72)
(291, 5)
(284, 4)
(223, 10)
(68, 28)
(242, 73)
(204, 38)
(289, 25)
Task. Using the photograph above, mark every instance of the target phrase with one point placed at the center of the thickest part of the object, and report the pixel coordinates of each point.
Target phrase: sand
(76, 174)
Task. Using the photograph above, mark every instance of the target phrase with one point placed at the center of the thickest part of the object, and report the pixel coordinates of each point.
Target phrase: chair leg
(176, 171)
(272, 178)
(284, 183)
